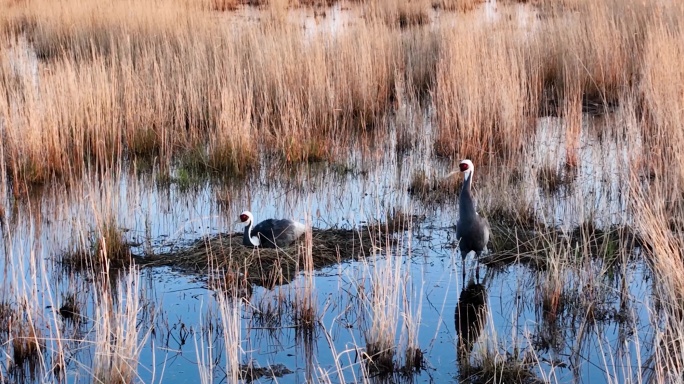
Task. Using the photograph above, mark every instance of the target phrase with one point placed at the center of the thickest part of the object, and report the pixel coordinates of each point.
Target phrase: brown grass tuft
(434, 189)
(421, 51)
(225, 5)
(491, 367)
(70, 310)
(412, 13)
(551, 180)
(7, 318)
(234, 285)
(144, 142)
(111, 245)
(420, 184)
(457, 5)
(379, 358)
(27, 348)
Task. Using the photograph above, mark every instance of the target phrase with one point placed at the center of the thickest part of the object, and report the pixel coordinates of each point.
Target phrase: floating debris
(251, 373)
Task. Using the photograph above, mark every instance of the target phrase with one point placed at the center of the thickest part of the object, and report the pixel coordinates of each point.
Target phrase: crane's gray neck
(466, 205)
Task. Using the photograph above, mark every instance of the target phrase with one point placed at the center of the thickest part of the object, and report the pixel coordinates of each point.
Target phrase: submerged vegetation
(573, 111)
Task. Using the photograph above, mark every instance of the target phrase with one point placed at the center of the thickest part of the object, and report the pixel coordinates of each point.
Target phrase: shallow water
(180, 324)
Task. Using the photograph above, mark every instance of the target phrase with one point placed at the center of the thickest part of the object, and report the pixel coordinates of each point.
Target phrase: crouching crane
(270, 233)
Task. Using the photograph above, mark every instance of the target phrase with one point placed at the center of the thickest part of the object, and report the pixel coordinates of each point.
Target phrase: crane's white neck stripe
(253, 239)
(467, 174)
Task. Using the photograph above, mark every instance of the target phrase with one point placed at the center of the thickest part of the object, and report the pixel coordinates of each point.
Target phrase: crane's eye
(243, 217)
(463, 167)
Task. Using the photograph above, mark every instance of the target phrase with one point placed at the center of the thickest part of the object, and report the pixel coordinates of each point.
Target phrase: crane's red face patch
(463, 167)
(244, 217)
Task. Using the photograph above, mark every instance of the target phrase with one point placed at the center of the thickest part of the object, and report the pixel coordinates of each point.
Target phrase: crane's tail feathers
(298, 228)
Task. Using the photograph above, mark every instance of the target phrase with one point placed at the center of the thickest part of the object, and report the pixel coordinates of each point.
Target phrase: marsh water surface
(600, 331)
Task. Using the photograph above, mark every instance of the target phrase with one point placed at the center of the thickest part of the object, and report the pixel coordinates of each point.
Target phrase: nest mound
(511, 244)
(269, 266)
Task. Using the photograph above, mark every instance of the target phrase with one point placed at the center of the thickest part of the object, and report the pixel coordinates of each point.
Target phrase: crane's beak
(451, 174)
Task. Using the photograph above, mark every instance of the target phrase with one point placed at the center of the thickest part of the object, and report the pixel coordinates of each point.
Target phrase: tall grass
(232, 333)
(176, 77)
(85, 85)
(657, 187)
(482, 92)
(119, 341)
(393, 304)
(666, 261)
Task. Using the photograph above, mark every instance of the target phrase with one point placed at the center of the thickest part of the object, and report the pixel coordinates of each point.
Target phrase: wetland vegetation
(133, 133)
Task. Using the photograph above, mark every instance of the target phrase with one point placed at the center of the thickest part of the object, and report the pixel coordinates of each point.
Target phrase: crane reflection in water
(470, 317)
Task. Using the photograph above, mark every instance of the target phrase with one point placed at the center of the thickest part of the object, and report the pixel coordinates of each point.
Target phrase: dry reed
(88, 85)
(657, 189)
(166, 82)
(119, 340)
(27, 348)
(85, 85)
(482, 92)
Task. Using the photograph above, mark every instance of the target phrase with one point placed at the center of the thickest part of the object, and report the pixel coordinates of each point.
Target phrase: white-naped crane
(270, 233)
(472, 230)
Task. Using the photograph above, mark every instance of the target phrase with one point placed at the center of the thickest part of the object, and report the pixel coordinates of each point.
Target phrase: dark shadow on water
(470, 317)
(485, 366)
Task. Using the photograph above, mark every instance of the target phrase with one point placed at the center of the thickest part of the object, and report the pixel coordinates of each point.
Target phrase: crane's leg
(477, 267)
(463, 264)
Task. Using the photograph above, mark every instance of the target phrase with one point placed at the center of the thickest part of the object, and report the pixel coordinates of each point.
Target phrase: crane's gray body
(272, 233)
(472, 230)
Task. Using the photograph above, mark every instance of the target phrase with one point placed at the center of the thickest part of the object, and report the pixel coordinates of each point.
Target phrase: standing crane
(472, 230)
